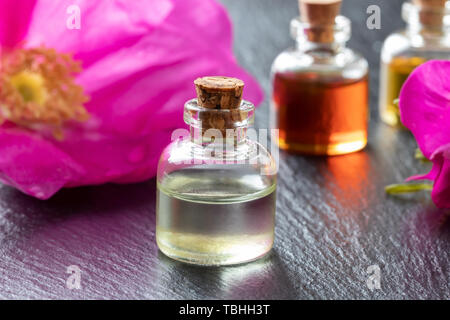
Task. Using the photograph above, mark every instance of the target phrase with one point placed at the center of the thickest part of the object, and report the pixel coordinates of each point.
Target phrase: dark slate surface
(333, 218)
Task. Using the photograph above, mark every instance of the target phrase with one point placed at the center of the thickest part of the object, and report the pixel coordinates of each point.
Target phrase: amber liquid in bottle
(320, 117)
(394, 75)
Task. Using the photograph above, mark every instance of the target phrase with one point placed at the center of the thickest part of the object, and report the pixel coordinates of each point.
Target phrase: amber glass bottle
(427, 36)
(320, 90)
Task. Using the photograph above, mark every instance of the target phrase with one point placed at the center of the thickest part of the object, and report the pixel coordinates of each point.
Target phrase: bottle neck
(304, 45)
(331, 39)
(208, 137)
(427, 30)
(218, 126)
(428, 23)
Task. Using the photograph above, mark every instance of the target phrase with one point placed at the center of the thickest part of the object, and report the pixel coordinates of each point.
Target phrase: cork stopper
(221, 97)
(219, 92)
(321, 16)
(430, 3)
(431, 11)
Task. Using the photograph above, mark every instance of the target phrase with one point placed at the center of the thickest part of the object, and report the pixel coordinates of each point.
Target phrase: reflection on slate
(264, 279)
(333, 218)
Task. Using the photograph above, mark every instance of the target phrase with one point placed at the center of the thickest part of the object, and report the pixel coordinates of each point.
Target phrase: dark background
(333, 217)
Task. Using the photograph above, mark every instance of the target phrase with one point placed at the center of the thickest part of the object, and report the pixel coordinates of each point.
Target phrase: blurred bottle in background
(426, 37)
(320, 87)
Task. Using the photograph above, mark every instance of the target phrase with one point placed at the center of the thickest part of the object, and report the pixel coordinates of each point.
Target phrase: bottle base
(213, 251)
(323, 150)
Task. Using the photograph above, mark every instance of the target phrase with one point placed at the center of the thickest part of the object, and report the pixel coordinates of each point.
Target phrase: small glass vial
(427, 36)
(320, 88)
(216, 188)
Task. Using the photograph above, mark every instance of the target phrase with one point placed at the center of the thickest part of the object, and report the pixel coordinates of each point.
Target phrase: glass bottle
(320, 92)
(216, 197)
(427, 36)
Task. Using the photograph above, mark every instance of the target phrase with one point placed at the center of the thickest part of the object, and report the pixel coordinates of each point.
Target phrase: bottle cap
(219, 92)
(430, 3)
(220, 103)
(321, 16)
(431, 11)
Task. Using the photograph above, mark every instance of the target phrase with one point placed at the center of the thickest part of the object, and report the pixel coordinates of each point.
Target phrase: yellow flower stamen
(30, 86)
(37, 87)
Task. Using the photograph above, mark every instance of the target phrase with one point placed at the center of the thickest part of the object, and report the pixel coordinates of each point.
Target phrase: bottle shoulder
(405, 44)
(185, 148)
(345, 63)
(186, 172)
(184, 154)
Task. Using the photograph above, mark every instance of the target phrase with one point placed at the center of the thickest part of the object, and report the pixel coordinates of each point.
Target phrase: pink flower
(138, 60)
(425, 110)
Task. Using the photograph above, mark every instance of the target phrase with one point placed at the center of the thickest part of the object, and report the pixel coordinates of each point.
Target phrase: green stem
(419, 156)
(408, 188)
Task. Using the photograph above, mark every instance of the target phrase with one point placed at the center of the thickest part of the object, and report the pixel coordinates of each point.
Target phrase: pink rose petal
(441, 189)
(425, 110)
(425, 105)
(140, 59)
(15, 18)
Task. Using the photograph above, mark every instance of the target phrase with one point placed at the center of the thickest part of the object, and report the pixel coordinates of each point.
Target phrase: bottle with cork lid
(320, 87)
(426, 37)
(216, 188)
